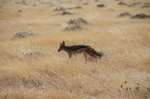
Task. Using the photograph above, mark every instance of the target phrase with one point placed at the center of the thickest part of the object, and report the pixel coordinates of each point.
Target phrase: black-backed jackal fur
(75, 49)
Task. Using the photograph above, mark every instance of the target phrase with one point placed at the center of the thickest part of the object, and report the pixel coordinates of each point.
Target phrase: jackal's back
(77, 47)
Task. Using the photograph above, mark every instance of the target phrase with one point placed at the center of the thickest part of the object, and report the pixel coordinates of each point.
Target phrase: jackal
(75, 49)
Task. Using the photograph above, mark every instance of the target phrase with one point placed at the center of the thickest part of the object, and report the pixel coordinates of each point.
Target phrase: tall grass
(32, 67)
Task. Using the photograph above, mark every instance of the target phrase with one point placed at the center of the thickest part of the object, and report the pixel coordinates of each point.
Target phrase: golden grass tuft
(32, 67)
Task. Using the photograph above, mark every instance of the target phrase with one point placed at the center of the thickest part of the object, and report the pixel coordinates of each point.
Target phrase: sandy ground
(32, 68)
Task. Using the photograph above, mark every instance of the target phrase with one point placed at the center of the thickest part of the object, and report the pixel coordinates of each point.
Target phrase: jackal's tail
(92, 52)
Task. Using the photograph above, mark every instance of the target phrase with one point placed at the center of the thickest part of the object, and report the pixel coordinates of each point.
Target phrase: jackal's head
(62, 46)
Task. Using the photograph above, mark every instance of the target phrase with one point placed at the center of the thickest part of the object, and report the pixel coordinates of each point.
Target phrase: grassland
(32, 68)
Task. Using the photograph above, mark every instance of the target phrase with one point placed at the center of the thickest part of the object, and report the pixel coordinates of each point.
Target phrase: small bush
(33, 54)
(96, 0)
(30, 83)
(73, 27)
(60, 9)
(134, 4)
(24, 34)
(147, 4)
(74, 24)
(124, 14)
(122, 3)
(77, 21)
(19, 11)
(77, 7)
(66, 13)
(100, 5)
(85, 3)
(141, 16)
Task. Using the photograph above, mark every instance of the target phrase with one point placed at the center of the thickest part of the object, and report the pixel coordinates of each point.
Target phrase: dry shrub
(60, 9)
(75, 24)
(73, 27)
(24, 34)
(141, 16)
(76, 7)
(69, 8)
(122, 3)
(100, 5)
(77, 21)
(134, 4)
(66, 13)
(85, 3)
(33, 54)
(146, 5)
(125, 14)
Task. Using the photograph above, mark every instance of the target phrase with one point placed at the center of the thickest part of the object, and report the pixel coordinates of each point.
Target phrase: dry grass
(32, 68)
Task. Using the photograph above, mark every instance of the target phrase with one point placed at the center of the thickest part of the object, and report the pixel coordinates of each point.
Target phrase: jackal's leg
(70, 55)
(85, 56)
(75, 57)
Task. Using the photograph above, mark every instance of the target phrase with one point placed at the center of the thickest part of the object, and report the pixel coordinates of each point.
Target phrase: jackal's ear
(63, 43)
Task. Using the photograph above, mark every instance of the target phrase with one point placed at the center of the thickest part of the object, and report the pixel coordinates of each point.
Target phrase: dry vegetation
(32, 68)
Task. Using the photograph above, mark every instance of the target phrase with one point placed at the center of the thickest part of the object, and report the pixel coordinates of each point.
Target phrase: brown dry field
(32, 68)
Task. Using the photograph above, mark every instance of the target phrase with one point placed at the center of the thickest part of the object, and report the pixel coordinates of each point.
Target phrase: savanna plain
(32, 68)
